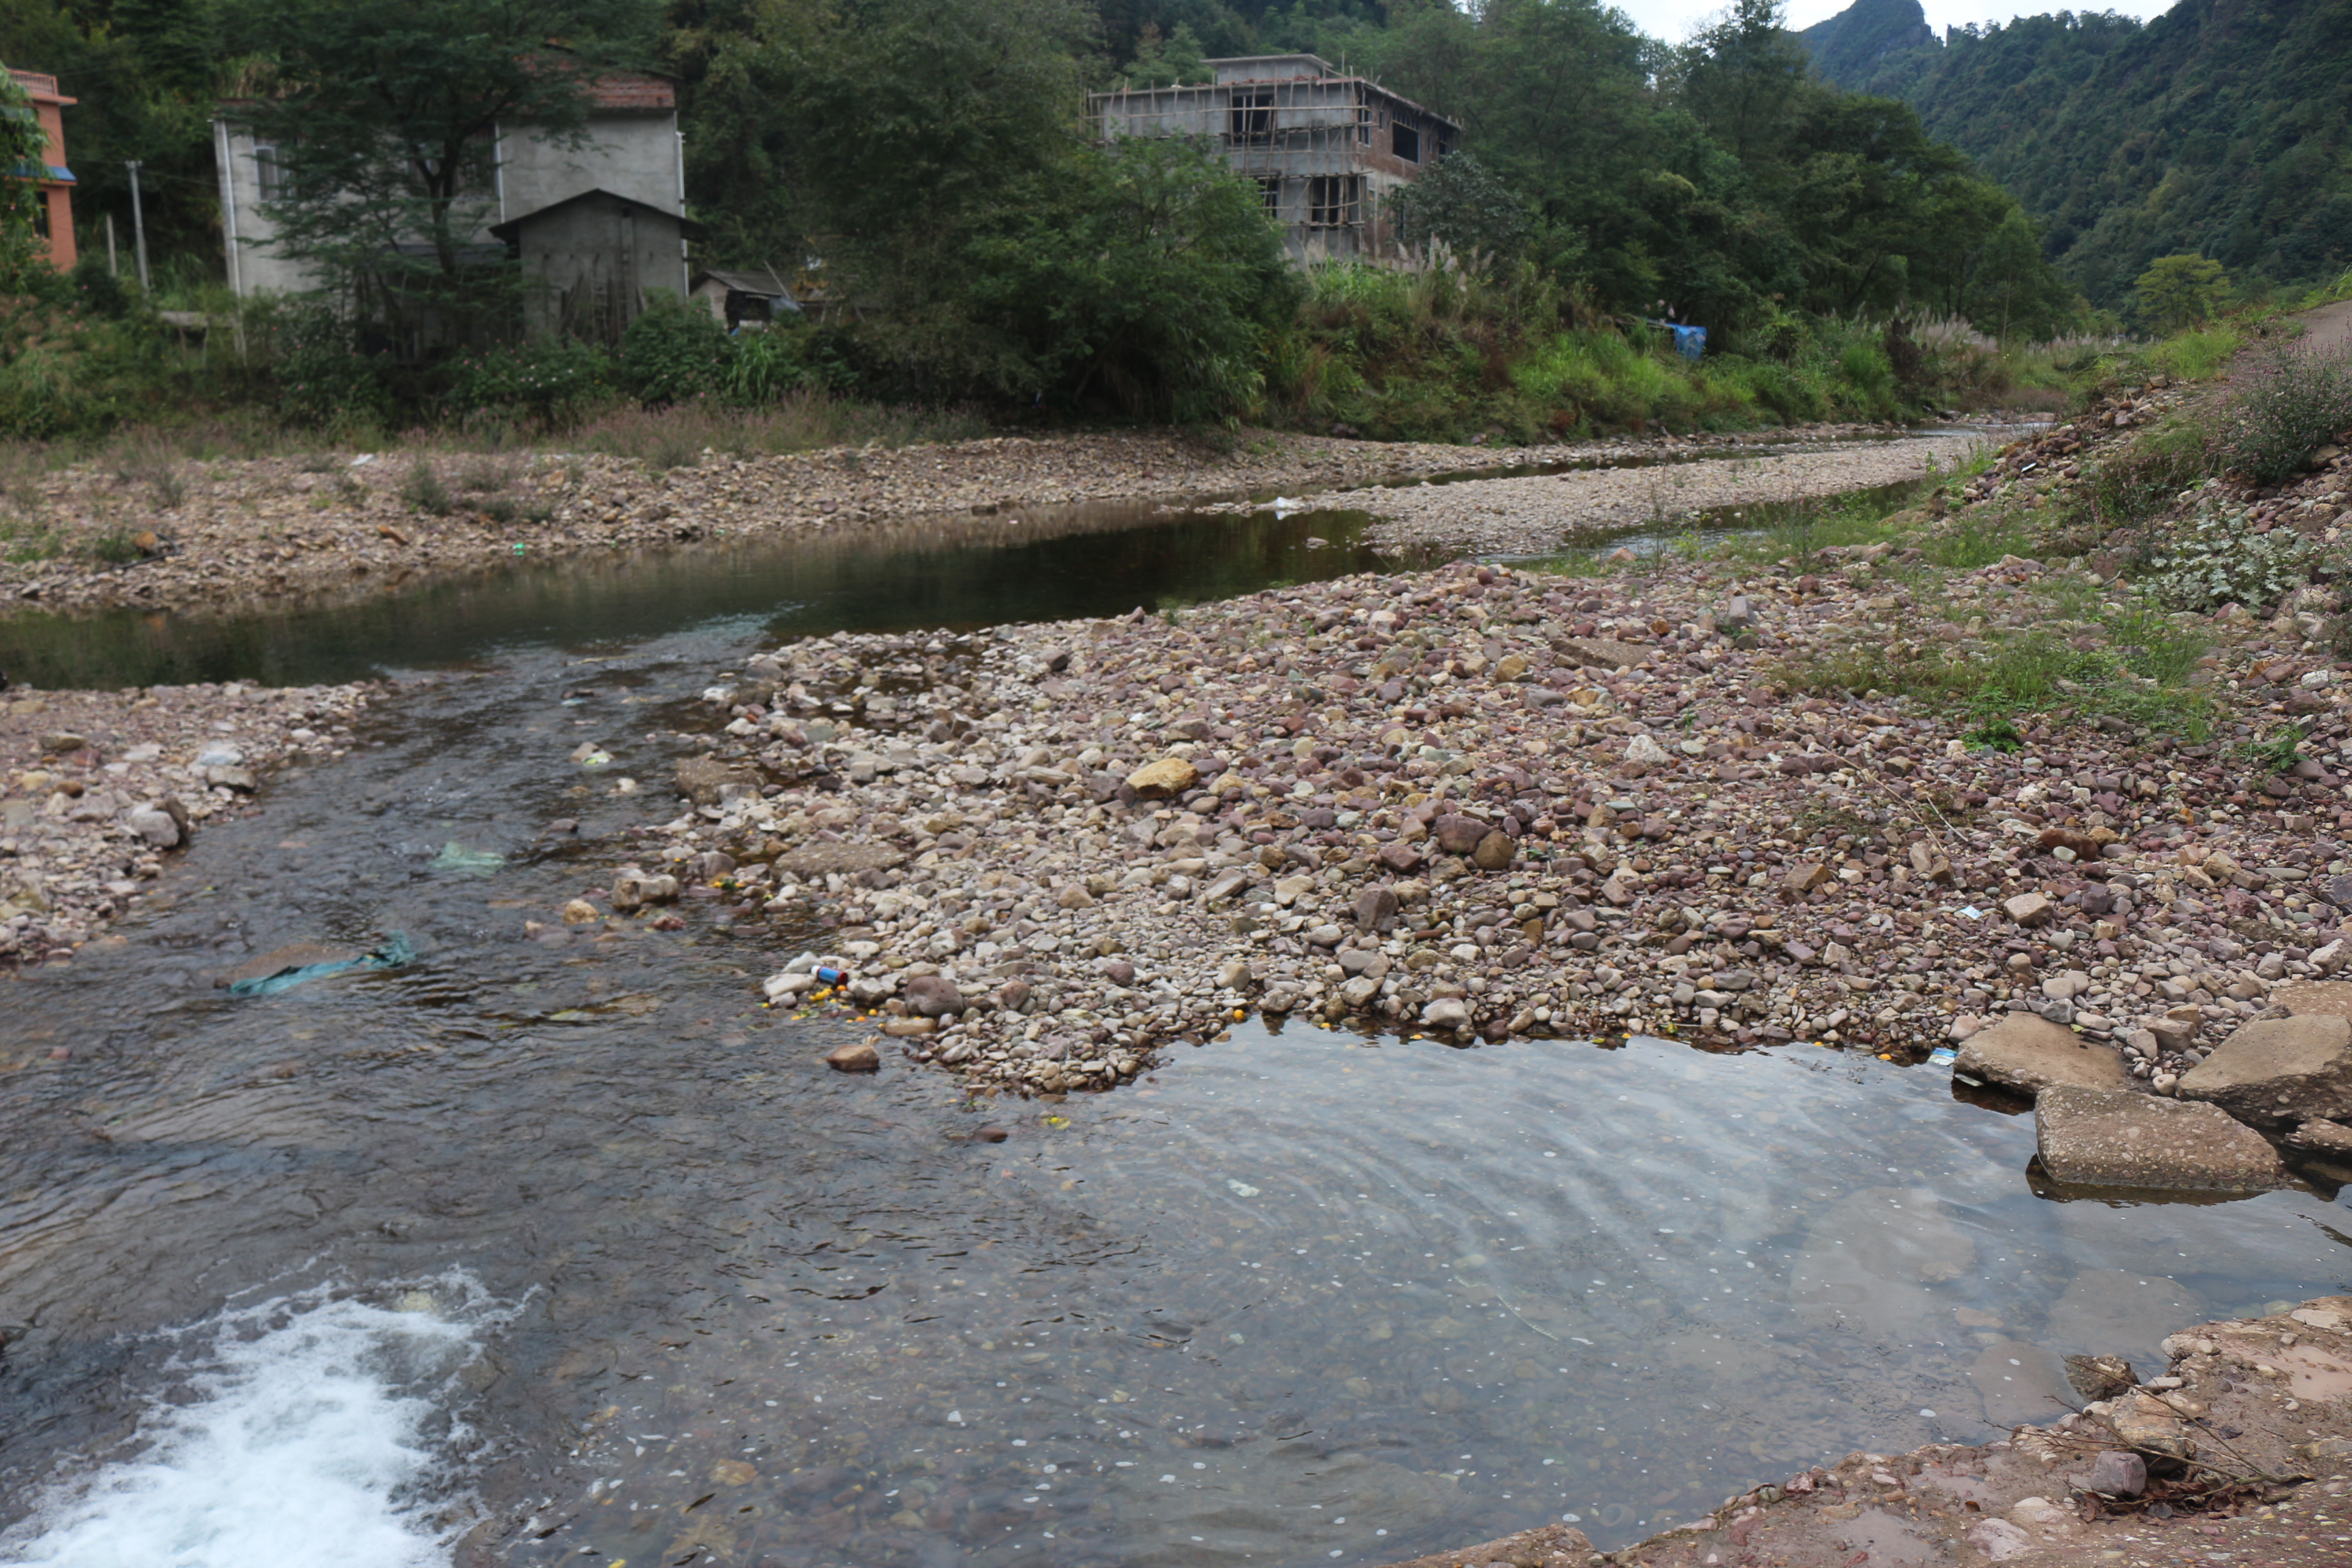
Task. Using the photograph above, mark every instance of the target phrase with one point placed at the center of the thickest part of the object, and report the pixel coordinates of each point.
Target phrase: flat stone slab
(2326, 998)
(2116, 1138)
(2278, 1072)
(2029, 1054)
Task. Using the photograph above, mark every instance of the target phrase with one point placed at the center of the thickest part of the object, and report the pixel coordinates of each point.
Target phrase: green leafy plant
(676, 351)
(2210, 559)
(2281, 752)
(1994, 735)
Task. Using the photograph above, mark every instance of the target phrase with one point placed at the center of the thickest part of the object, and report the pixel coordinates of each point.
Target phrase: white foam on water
(315, 1429)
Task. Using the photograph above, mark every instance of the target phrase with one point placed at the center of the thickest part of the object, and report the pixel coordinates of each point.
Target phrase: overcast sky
(1673, 19)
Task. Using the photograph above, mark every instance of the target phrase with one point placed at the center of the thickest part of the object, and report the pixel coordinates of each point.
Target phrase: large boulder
(2331, 998)
(933, 996)
(2277, 1072)
(2029, 1054)
(2117, 1138)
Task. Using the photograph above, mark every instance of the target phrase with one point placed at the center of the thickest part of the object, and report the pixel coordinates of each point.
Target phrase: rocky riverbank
(1481, 802)
(2238, 1453)
(97, 788)
(338, 526)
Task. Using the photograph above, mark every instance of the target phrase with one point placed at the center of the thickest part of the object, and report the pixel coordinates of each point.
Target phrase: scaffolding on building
(1324, 149)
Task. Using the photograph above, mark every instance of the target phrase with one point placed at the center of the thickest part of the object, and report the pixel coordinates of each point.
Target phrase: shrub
(422, 488)
(675, 352)
(765, 366)
(323, 379)
(553, 379)
(2288, 403)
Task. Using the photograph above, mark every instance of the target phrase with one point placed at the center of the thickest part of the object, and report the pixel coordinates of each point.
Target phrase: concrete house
(632, 162)
(1326, 148)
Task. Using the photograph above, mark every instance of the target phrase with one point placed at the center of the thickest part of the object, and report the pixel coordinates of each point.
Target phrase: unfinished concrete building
(1326, 148)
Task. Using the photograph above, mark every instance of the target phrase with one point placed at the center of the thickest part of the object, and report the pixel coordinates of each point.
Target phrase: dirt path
(2329, 328)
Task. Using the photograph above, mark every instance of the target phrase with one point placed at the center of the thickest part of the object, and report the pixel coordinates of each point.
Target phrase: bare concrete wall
(632, 154)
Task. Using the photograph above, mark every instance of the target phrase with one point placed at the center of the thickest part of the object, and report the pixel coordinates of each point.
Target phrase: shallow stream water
(561, 1249)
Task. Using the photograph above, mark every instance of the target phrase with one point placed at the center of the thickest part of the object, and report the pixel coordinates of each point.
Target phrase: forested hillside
(2222, 127)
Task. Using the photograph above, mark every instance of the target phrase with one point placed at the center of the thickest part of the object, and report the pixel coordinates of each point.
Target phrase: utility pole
(138, 226)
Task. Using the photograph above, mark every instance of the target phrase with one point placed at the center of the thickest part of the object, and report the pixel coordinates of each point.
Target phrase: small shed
(588, 261)
(737, 297)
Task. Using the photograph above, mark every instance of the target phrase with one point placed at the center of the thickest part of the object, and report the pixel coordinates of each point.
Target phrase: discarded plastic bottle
(828, 975)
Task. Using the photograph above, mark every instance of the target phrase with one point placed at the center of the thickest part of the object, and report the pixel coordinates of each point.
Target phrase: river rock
(2118, 1138)
(1168, 777)
(1376, 909)
(1604, 653)
(2148, 1426)
(700, 779)
(1643, 749)
(2117, 1474)
(1999, 1540)
(580, 912)
(1446, 1013)
(858, 1056)
(1494, 852)
(2276, 1072)
(2028, 1054)
(633, 888)
(155, 825)
(2100, 1376)
(2328, 1140)
(1458, 834)
(932, 995)
(2028, 908)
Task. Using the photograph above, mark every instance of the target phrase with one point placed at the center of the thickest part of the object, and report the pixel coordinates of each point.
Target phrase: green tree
(1166, 62)
(2179, 292)
(1144, 273)
(383, 113)
(1746, 78)
(1463, 204)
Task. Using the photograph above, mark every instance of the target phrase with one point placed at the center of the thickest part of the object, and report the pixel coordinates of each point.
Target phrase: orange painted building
(54, 222)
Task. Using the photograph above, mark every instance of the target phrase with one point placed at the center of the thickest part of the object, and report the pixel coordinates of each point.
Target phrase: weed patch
(422, 489)
(2289, 402)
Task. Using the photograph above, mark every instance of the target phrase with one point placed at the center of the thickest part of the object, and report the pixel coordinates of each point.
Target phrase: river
(555, 1246)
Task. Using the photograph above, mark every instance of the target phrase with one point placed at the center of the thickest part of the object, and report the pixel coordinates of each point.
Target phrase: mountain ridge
(2222, 126)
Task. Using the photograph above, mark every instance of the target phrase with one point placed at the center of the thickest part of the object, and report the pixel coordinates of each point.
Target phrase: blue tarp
(1689, 341)
(394, 952)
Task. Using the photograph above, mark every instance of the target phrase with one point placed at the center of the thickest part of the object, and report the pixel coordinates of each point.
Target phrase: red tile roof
(630, 89)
